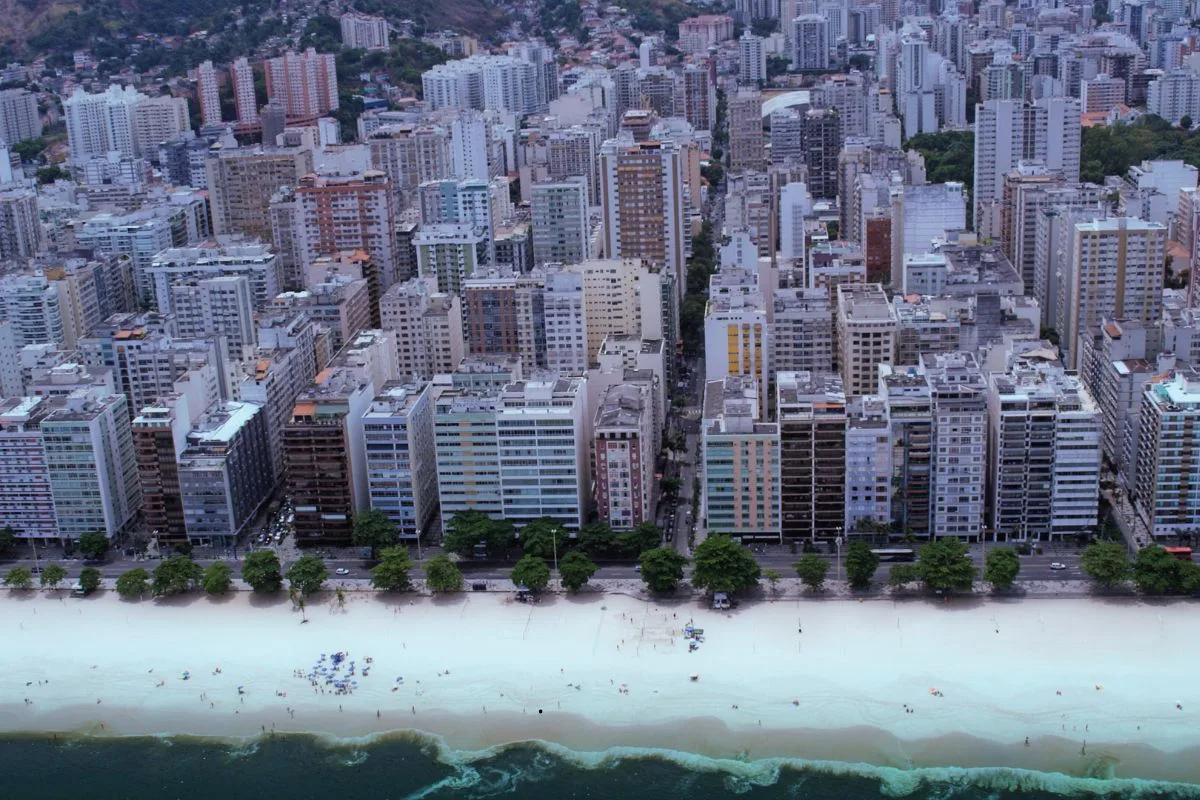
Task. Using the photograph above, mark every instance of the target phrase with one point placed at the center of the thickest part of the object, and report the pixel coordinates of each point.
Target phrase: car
(1057, 565)
(637, 567)
(341, 571)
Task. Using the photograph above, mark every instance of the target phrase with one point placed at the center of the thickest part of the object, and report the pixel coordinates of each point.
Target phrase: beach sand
(1093, 684)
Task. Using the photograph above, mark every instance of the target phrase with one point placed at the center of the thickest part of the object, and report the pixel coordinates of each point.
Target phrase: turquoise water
(410, 767)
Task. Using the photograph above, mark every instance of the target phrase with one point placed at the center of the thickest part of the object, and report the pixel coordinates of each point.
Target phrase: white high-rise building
(1008, 132)
(466, 202)
(92, 466)
(560, 222)
(98, 124)
(179, 265)
(208, 92)
(959, 391)
(245, 101)
(810, 43)
(794, 205)
(542, 450)
(566, 322)
(397, 433)
(20, 225)
(1166, 469)
(428, 327)
(213, 307)
(752, 59)
(469, 147)
(30, 303)
(1044, 448)
(494, 82)
(360, 31)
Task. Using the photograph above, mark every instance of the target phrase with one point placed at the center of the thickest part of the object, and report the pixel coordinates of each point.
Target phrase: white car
(1057, 565)
(341, 571)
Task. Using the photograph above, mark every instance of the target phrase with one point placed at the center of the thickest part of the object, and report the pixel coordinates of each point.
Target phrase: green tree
(469, 528)
(47, 175)
(53, 575)
(1106, 563)
(262, 571)
(662, 569)
(217, 578)
(19, 577)
(723, 565)
(945, 565)
(93, 545)
(373, 529)
(8, 538)
(532, 573)
(597, 539)
(307, 575)
(89, 579)
(176, 575)
(670, 486)
(29, 149)
(861, 564)
(541, 536)
(904, 574)
(391, 574)
(441, 575)
(644, 537)
(812, 569)
(575, 569)
(1155, 571)
(1002, 567)
(134, 583)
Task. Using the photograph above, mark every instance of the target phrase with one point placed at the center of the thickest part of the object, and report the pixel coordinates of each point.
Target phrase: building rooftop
(622, 406)
(221, 423)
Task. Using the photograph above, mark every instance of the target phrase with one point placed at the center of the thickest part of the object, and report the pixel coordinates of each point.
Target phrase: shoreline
(477, 668)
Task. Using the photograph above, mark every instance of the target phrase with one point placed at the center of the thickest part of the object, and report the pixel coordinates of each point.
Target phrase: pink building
(625, 450)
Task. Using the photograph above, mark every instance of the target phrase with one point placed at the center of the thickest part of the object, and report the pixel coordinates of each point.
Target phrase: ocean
(412, 767)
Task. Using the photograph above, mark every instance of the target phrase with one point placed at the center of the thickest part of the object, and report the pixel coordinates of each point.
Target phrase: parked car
(1057, 565)
(341, 571)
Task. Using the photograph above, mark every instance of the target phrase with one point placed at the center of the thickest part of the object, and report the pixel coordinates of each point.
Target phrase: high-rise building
(1165, 468)
(304, 83)
(347, 212)
(1109, 269)
(575, 152)
(543, 452)
(215, 307)
(26, 498)
(565, 322)
(450, 254)
(157, 120)
(469, 139)
(469, 202)
(177, 265)
(20, 227)
(411, 155)
(822, 137)
(19, 116)
(697, 34)
(699, 97)
(622, 297)
(98, 124)
(224, 473)
(624, 447)
(810, 43)
(340, 303)
(93, 470)
(1044, 448)
(643, 204)
(959, 392)
(467, 449)
(506, 316)
(752, 59)
(360, 31)
(428, 327)
(737, 338)
(32, 306)
(802, 332)
(811, 410)
(1008, 132)
(208, 90)
(741, 479)
(746, 141)
(560, 222)
(159, 435)
(867, 329)
(401, 459)
(868, 467)
(242, 182)
(502, 83)
(241, 74)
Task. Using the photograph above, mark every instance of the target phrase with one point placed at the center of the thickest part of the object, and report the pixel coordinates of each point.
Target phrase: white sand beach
(1094, 684)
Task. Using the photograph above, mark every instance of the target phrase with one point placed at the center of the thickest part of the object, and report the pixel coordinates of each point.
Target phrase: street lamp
(838, 541)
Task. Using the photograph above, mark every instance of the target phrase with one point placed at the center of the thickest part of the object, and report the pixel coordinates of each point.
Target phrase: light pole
(554, 546)
(838, 541)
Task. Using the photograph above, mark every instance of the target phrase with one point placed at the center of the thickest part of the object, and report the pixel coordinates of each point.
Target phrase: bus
(895, 553)
(1182, 553)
